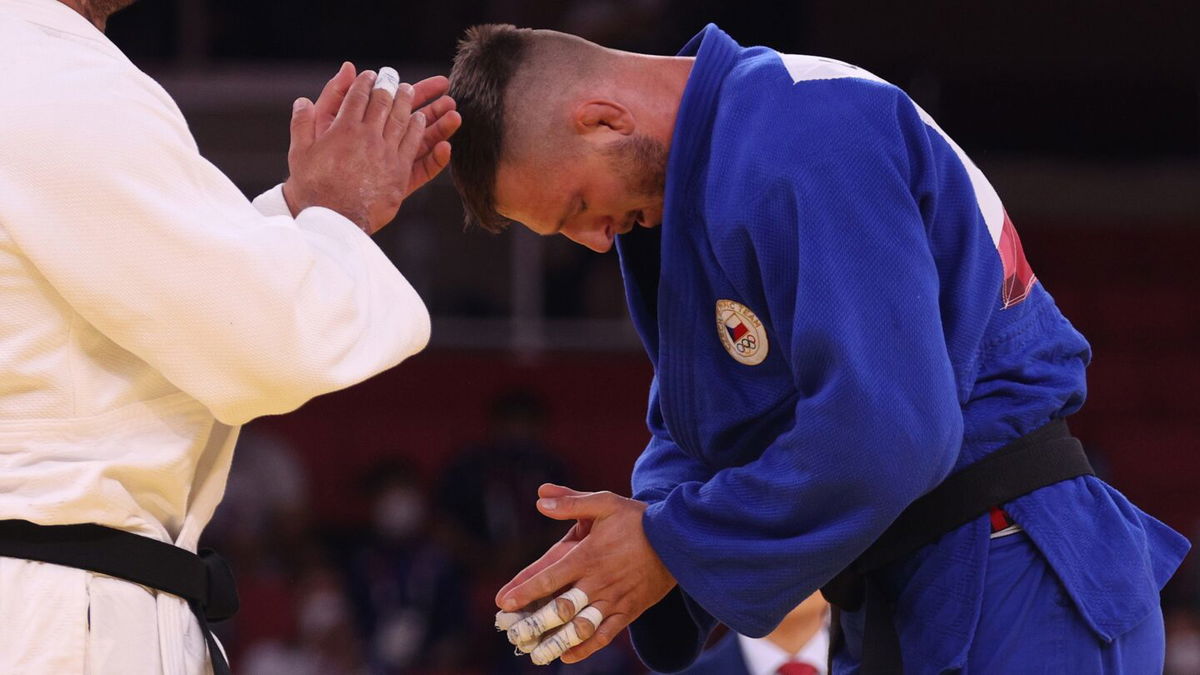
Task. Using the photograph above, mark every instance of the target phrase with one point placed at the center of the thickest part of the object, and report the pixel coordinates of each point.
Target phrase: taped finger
(556, 612)
(524, 648)
(387, 79)
(582, 627)
(505, 620)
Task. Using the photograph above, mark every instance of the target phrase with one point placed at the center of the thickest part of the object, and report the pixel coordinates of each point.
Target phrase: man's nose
(596, 238)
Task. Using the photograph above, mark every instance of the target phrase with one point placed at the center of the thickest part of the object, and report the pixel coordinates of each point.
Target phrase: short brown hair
(488, 56)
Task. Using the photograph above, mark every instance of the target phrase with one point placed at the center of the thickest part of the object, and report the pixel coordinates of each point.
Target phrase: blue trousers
(1030, 626)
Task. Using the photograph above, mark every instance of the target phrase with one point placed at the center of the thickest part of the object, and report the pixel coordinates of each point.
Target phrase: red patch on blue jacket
(1018, 275)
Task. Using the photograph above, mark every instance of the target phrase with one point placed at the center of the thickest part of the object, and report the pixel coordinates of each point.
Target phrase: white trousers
(64, 621)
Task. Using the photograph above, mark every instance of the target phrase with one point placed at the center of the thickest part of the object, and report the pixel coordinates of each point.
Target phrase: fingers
(505, 620)
(582, 627)
(578, 506)
(379, 105)
(428, 167)
(604, 635)
(552, 490)
(332, 95)
(387, 79)
(554, 629)
(554, 614)
(354, 106)
(435, 109)
(555, 553)
(555, 576)
(412, 138)
(400, 115)
(438, 129)
(302, 128)
(550, 557)
(428, 89)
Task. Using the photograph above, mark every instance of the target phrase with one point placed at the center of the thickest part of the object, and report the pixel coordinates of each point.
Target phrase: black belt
(1043, 457)
(204, 580)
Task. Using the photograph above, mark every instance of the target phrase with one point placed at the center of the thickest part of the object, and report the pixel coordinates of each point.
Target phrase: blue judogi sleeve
(825, 220)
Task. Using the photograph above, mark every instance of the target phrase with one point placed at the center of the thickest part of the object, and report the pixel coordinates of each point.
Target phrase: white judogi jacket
(146, 310)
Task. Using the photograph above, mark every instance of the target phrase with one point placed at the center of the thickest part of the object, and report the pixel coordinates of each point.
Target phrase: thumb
(579, 506)
(303, 130)
(552, 490)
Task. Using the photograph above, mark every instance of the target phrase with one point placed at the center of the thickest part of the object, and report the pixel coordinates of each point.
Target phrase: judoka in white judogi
(147, 309)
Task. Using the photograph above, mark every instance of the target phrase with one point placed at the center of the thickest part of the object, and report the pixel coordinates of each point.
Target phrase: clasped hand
(361, 151)
(589, 586)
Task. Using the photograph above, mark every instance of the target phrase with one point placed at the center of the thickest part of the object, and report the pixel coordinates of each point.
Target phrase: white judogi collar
(764, 657)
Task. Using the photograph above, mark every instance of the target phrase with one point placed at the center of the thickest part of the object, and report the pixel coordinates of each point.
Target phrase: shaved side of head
(514, 87)
(536, 105)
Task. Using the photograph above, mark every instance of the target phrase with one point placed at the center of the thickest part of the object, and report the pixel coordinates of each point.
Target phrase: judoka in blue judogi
(840, 315)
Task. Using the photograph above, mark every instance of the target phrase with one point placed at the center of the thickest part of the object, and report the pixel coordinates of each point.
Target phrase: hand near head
(361, 151)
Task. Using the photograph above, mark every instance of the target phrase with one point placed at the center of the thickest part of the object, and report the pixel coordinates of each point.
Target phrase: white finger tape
(593, 615)
(505, 620)
(568, 636)
(557, 612)
(526, 647)
(388, 79)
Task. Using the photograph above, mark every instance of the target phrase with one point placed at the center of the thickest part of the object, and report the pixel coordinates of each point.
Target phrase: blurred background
(370, 529)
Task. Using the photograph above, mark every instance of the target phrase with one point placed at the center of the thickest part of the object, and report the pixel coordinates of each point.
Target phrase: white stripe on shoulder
(804, 68)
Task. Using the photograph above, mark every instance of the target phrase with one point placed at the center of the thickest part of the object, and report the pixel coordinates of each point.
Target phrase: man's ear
(603, 115)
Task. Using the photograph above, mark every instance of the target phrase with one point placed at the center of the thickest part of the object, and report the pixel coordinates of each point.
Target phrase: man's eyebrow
(575, 204)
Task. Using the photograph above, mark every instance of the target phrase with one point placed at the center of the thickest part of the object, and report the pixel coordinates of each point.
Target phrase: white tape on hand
(582, 627)
(387, 79)
(556, 612)
(505, 620)
(524, 648)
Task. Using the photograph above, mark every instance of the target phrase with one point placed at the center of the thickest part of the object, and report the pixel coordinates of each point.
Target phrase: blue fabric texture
(848, 225)
(1029, 624)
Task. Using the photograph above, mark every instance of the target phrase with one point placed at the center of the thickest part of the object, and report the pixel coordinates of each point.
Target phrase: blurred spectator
(1183, 640)
(263, 525)
(324, 640)
(267, 490)
(409, 594)
(487, 493)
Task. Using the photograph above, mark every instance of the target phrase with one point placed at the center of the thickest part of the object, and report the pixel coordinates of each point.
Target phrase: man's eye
(582, 206)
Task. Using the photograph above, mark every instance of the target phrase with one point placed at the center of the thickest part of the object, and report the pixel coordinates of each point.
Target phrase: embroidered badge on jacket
(741, 333)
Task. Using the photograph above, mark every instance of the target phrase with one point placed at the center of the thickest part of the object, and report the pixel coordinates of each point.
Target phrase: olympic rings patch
(741, 333)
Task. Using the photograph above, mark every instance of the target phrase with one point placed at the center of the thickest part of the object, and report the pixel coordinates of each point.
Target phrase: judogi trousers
(1029, 625)
(65, 621)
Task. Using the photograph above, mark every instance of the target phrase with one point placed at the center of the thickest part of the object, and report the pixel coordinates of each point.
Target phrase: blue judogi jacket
(839, 315)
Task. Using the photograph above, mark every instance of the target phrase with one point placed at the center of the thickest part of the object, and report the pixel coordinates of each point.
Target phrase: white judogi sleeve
(103, 190)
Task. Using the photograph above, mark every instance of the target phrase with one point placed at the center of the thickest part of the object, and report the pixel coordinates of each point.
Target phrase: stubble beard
(642, 162)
